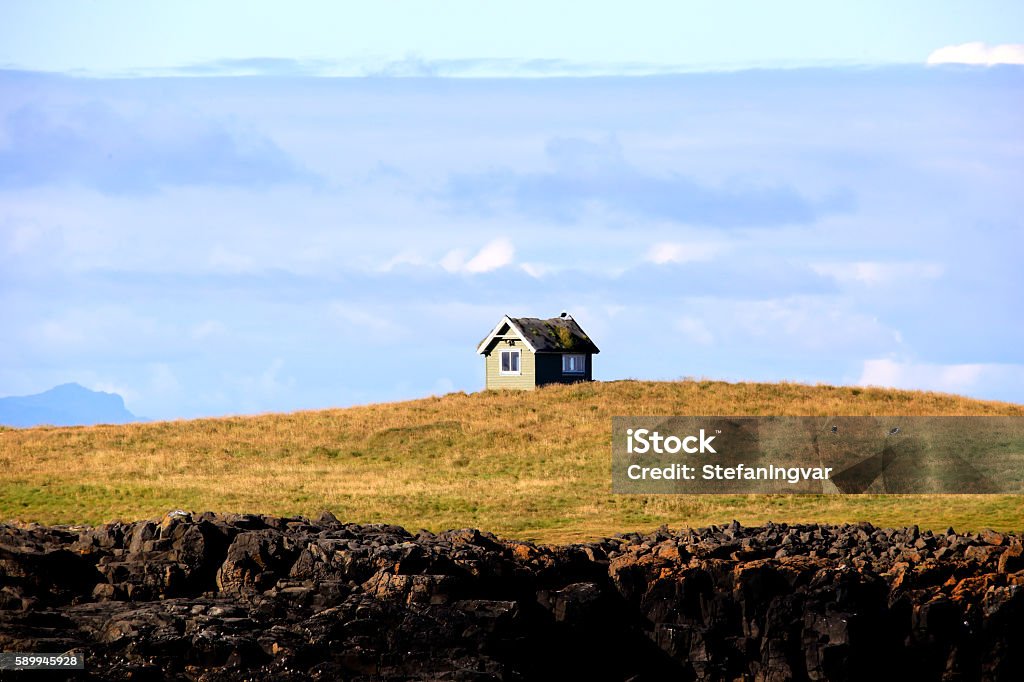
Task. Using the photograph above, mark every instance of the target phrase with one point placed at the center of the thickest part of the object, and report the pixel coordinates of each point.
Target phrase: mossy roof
(556, 335)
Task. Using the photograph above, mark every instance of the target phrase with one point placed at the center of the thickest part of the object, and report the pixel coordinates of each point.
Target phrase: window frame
(519, 362)
(574, 372)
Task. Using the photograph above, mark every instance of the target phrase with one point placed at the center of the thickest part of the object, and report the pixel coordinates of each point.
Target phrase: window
(510, 362)
(574, 364)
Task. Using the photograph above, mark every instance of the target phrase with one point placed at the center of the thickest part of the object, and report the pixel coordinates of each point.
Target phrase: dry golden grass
(528, 465)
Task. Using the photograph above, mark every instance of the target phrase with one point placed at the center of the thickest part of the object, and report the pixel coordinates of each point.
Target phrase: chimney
(565, 316)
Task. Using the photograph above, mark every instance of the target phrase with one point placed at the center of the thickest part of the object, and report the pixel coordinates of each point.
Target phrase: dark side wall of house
(549, 370)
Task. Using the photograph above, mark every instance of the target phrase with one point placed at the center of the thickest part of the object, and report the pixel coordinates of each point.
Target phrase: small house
(526, 352)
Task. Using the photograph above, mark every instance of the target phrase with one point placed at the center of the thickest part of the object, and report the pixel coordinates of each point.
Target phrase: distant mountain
(65, 405)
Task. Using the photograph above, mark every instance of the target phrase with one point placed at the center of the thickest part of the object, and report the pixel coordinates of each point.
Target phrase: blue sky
(118, 37)
(206, 244)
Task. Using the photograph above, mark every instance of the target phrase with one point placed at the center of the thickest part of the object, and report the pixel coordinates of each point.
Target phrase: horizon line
(466, 69)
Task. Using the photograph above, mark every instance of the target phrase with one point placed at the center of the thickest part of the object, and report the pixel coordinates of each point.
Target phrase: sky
(217, 208)
(105, 37)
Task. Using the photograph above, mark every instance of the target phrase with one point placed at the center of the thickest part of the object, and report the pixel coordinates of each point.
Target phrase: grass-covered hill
(528, 465)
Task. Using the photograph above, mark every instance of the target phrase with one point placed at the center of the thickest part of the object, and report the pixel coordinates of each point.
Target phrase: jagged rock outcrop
(224, 597)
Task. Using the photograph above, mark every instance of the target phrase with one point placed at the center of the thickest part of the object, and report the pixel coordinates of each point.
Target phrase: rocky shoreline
(245, 597)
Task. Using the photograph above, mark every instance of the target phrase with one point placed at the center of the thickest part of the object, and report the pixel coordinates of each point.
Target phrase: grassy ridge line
(529, 465)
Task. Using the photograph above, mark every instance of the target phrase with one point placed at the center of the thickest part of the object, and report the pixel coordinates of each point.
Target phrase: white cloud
(454, 260)
(873, 273)
(495, 254)
(403, 258)
(535, 270)
(952, 378)
(675, 252)
(978, 53)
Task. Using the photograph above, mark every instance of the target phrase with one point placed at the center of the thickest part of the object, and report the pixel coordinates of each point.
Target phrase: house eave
(482, 348)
